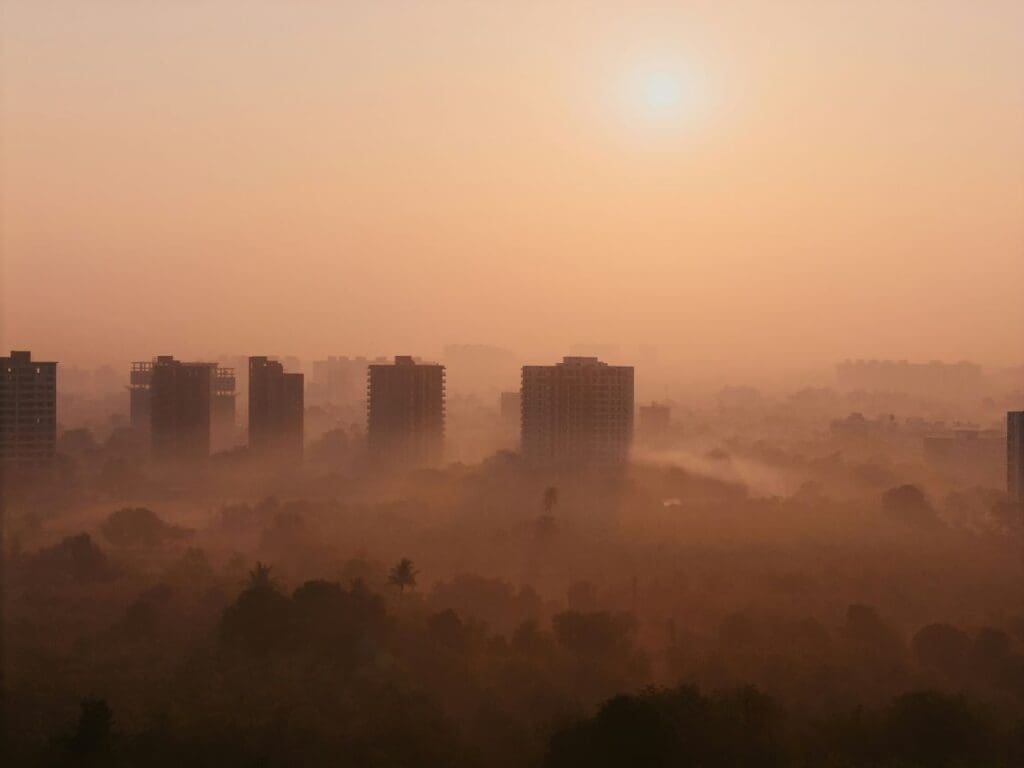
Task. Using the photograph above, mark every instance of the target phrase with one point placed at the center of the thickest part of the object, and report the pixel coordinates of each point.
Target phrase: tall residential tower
(179, 404)
(222, 399)
(405, 418)
(28, 411)
(276, 409)
(577, 414)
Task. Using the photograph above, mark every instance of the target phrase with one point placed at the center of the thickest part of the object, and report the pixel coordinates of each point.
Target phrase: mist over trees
(772, 582)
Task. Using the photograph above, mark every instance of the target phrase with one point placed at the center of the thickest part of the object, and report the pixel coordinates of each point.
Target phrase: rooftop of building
(582, 362)
(406, 361)
(22, 357)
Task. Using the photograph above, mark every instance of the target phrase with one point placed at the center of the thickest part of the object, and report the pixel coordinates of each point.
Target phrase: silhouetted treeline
(328, 675)
(485, 615)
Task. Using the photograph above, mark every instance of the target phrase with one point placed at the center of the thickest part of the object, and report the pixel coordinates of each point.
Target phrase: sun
(662, 94)
(661, 91)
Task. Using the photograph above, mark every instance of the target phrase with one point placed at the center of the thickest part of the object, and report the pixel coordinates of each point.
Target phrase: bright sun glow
(662, 91)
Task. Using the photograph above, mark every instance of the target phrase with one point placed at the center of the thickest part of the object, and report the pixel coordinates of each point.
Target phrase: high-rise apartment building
(222, 406)
(276, 409)
(405, 416)
(1015, 456)
(577, 414)
(180, 397)
(139, 380)
(28, 411)
(222, 398)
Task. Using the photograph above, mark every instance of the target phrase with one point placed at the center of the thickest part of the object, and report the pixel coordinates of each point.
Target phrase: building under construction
(276, 409)
(220, 401)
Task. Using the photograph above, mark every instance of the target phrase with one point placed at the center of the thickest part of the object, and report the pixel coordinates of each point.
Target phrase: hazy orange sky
(803, 181)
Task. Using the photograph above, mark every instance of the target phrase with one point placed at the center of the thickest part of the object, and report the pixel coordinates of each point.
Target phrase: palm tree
(546, 522)
(403, 575)
(259, 577)
(550, 499)
(95, 726)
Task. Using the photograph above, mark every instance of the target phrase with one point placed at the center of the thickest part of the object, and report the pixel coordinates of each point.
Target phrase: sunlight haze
(769, 182)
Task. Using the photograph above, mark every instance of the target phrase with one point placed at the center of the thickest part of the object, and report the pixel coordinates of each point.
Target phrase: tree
(674, 727)
(403, 575)
(550, 499)
(76, 557)
(546, 522)
(908, 504)
(598, 634)
(95, 725)
(259, 577)
(258, 621)
(930, 728)
(942, 647)
(866, 628)
(138, 526)
(345, 626)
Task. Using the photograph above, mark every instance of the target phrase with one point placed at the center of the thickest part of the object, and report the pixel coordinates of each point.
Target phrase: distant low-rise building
(28, 412)
(857, 426)
(478, 368)
(931, 379)
(341, 381)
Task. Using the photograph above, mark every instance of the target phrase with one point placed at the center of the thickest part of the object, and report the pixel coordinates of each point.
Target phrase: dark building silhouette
(577, 414)
(180, 396)
(1015, 456)
(222, 399)
(276, 408)
(405, 417)
(222, 406)
(28, 412)
(139, 380)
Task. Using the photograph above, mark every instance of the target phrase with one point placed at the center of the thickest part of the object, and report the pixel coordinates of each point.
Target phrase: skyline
(764, 187)
(514, 384)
